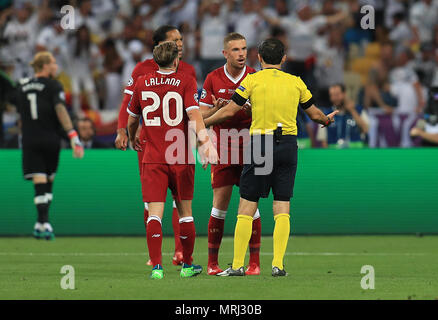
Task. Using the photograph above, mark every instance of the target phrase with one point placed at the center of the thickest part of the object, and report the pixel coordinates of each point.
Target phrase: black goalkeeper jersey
(36, 101)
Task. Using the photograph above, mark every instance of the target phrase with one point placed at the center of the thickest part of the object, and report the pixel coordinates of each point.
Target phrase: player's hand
(331, 117)
(121, 140)
(136, 143)
(218, 103)
(76, 145)
(208, 154)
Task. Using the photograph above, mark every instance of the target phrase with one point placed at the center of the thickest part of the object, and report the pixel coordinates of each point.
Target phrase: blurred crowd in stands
(383, 79)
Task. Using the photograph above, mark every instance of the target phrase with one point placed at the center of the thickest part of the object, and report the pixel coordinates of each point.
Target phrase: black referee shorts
(40, 158)
(280, 179)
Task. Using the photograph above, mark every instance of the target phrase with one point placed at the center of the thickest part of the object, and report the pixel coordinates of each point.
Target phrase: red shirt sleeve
(134, 107)
(207, 90)
(129, 89)
(190, 94)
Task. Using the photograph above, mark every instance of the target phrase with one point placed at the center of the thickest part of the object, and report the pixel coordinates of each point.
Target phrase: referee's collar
(234, 80)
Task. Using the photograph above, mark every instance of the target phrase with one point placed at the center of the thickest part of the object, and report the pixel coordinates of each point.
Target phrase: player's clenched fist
(121, 140)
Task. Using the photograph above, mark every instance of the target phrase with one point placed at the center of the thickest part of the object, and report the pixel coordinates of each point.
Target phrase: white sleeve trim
(132, 113)
(206, 104)
(129, 92)
(191, 108)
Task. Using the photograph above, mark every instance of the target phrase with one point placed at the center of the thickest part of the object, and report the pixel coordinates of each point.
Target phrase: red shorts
(225, 175)
(157, 178)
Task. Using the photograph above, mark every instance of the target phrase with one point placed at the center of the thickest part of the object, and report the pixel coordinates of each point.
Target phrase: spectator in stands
(213, 28)
(7, 87)
(423, 16)
(405, 86)
(82, 60)
(84, 17)
(351, 123)
(252, 58)
(53, 38)
(329, 64)
(246, 21)
(113, 66)
(427, 129)
(87, 133)
(20, 34)
(378, 100)
(135, 55)
(401, 35)
(155, 14)
(302, 33)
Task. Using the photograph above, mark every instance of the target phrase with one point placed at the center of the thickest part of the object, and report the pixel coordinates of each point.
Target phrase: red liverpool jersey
(163, 100)
(141, 69)
(222, 85)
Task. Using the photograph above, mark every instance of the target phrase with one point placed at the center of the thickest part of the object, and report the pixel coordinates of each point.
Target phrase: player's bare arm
(207, 150)
(64, 119)
(133, 126)
(217, 104)
(316, 115)
(223, 114)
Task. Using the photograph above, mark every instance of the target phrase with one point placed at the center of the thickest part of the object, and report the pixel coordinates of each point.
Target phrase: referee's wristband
(328, 122)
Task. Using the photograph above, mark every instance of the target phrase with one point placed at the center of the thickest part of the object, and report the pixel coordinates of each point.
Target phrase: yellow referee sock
(281, 237)
(242, 234)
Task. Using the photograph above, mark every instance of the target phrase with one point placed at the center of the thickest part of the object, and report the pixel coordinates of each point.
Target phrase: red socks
(187, 236)
(154, 235)
(216, 231)
(176, 230)
(254, 242)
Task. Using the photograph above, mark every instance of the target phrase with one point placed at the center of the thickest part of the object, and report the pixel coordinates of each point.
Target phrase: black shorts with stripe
(277, 172)
(40, 158)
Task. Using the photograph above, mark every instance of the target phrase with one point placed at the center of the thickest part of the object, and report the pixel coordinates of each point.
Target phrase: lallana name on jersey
(162, 81)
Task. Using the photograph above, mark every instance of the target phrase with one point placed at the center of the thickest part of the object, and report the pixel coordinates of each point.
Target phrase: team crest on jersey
(196, 96)
(130, 82)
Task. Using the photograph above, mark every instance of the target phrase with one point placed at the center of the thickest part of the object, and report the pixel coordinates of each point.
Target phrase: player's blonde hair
(232, 36)
(165, 53)
(40, 60)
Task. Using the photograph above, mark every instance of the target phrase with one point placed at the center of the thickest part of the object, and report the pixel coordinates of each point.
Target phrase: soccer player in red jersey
(167, 101)
(162, 34)
(221, 84)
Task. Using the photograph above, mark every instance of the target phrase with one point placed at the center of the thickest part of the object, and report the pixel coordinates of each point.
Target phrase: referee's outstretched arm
(318, 116)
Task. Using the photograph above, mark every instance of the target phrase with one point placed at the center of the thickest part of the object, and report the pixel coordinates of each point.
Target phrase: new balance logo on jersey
(222, 90)
(157, 235)
(183, 237)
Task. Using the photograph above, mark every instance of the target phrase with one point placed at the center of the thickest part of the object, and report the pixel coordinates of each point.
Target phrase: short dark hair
(340, 85)
(165, 53)
(272, 51)
(161, 33)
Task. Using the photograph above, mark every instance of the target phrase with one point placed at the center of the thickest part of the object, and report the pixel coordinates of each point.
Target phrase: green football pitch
(319, 267)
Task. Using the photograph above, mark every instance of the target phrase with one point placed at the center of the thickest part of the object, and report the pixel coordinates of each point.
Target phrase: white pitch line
(109, 254)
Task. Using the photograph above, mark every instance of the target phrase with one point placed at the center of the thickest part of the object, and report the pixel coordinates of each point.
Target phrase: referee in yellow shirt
(274, 96)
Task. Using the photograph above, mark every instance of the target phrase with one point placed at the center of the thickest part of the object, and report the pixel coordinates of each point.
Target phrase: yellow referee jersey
(274, 97)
